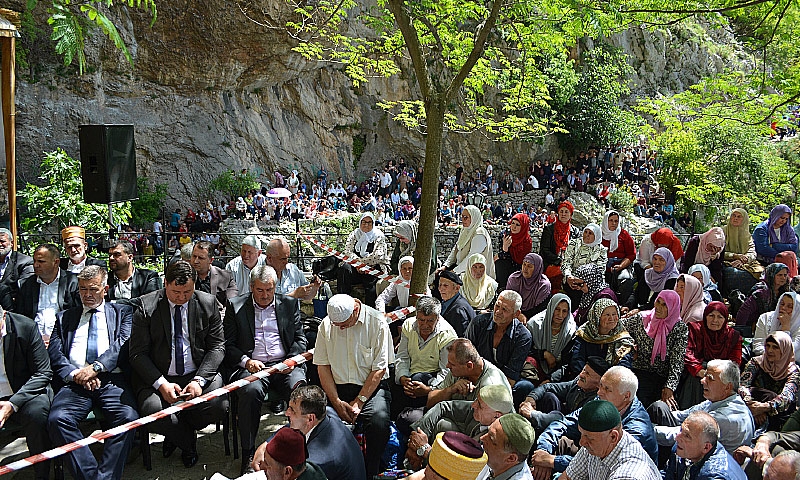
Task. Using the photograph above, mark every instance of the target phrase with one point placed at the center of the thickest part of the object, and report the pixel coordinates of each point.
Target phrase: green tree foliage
(59, 201)
(232, 184)
(73, 20)
(147, 209)
(593, 114)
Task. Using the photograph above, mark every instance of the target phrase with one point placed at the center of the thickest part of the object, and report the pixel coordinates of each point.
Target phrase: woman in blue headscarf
(775, 235)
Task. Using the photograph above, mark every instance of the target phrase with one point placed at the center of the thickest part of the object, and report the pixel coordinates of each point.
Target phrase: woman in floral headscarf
(592, 287)
(774, 235)
(604, 336)
(661, 339)
(582, 251)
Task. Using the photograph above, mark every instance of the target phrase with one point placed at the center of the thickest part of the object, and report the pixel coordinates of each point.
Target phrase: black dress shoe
(247, 463)
(279, 407)
(189, 458)
(168, 448)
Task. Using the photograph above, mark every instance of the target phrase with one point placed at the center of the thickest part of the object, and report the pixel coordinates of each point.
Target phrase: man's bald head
(785, 466)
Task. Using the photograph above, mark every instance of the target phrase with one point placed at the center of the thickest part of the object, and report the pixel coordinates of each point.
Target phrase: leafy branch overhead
(72, 21)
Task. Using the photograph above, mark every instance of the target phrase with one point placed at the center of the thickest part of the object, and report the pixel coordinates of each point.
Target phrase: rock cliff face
(212, 91)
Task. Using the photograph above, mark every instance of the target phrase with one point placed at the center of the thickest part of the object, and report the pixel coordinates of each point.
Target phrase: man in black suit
(13, 265)
(176, 346)
(210, 278)
(25, 392)
(75, 245)
(84, 352)
(455, 308)
(125, 281)
(48, 292)
(262, 328)
(323, 430)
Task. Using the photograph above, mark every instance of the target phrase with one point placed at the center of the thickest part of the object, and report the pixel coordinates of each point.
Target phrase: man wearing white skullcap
(353, 353)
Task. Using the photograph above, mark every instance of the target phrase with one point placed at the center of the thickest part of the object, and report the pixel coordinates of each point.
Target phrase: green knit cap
(519, 431)
(598, 416)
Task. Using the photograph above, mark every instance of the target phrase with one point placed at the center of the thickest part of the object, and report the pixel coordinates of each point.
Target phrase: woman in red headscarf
(515, 243)
(555, 238)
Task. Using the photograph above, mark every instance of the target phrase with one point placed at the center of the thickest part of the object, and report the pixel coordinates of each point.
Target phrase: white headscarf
(611, 235)
(598, 234)
(365, 238)
(466, 233)
(479, 293)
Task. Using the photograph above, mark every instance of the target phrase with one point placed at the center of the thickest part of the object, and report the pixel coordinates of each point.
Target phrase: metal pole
(7, 45)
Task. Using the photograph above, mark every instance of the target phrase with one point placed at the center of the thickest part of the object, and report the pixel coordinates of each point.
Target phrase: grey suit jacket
(222, 285)
(150, 343)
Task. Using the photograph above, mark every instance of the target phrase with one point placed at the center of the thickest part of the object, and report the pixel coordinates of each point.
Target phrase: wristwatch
(97, 367)
(421, 450)
(363, 398)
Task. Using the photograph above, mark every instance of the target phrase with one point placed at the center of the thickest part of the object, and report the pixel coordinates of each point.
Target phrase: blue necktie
(91, 344)
(177, 325)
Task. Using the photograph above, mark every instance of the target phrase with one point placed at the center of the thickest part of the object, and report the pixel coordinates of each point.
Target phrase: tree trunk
(435, 109)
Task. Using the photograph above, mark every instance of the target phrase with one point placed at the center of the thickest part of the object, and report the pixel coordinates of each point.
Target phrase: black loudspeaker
(108, 163)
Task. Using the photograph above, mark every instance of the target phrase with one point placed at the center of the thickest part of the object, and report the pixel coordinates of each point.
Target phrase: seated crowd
(593, 358)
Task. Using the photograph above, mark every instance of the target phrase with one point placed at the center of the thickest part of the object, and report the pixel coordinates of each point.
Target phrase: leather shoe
(247, 463)
(189, 458)
(279, 407)
(168, 448)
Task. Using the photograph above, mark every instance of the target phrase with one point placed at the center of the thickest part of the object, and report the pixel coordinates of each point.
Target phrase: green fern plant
(71, 21)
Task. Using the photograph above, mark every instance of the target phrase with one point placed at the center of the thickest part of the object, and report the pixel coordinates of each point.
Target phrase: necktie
(91, 344)
(177, 326)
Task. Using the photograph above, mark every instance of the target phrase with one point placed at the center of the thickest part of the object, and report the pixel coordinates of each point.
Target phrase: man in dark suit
(125, 281)
(13, 265)
(176, 346)
(455, 308)
(210, 278)
(84, 352)
(48, 292)
(75, 245)
(25, 392)
(262, 328)
(324, 429)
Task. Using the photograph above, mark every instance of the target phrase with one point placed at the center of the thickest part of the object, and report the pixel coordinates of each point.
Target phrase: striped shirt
(627, 461)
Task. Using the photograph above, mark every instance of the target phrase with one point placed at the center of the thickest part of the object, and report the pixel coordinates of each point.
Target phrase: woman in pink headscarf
(706, 249)
(661, 340)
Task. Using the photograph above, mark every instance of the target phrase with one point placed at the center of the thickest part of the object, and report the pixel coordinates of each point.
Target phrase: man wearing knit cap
(507, 444)
(353, 353)
(455, 308)
(454, 456)
(607, 451)
(551, 401)
(470, 418)
(74, 239)
(285, 458)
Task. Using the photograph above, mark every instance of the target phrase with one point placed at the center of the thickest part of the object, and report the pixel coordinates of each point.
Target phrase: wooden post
(7, 44)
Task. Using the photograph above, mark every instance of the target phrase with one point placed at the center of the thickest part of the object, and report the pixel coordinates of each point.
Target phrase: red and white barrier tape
(401, 313)
(356, 263)
(50, 454)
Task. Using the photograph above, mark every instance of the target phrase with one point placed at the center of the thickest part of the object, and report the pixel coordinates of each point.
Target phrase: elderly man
(785, 465)
(210, 278)
(618, 386)
(127, 282)
(262, 328)
(285, 457)
(84, 353)
(14, 266)
(250, 257)
(507, 444)
(698, 455)
(455, 308)
(471, 418)
(291, 280)
(503, 340)
(25, 376)
(176, 347)
(75, 245)
(551, 401)
(421, 357)
(353, 354)
(307, 412)
(49, 291)
(468, 373)
(607, 450)
(720, 389)
(767, 446)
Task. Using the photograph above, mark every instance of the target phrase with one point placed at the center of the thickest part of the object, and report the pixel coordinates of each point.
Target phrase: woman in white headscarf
(368, 244)
(785, 317)
(479, 289)
(472, 238)
(580, 251)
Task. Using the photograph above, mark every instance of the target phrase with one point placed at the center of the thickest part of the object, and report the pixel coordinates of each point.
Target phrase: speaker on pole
(108, 163)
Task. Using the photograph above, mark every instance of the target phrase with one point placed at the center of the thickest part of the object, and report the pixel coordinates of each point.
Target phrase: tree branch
(477, 49)
(733, 7)
(414, 48)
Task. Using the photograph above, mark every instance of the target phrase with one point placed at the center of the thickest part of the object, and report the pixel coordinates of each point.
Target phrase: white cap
(340, 307)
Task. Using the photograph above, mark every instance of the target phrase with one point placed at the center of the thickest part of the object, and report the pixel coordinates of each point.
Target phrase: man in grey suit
(14, 266)
(262, 328)
(176, 346)
(212, 279)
